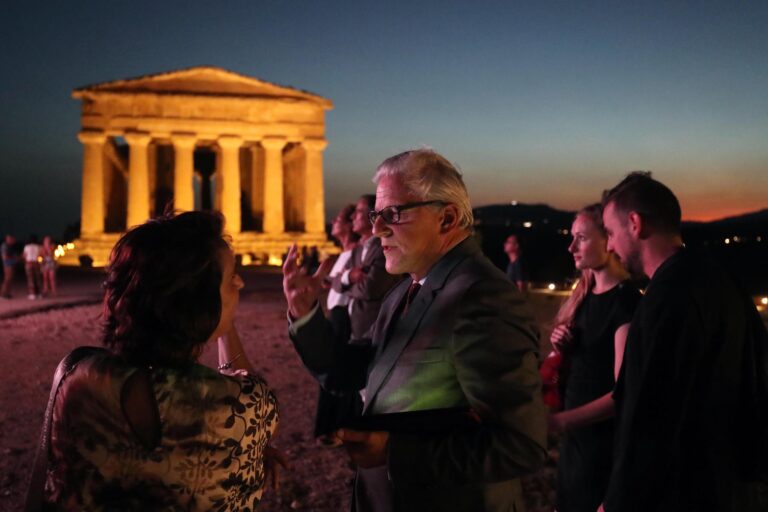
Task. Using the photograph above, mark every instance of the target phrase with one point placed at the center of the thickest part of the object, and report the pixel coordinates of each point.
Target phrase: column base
(92, 250)
(265, 249)
(253, 248)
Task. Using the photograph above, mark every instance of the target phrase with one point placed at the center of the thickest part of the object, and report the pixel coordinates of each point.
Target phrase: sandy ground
(320, 479)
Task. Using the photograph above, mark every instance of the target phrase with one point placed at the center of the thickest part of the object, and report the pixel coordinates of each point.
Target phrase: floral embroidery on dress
(214, 430)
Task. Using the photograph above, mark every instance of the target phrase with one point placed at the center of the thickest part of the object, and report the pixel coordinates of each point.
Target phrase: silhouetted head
(164, 294)
(342, 223)
(360, 223)
(512, 246)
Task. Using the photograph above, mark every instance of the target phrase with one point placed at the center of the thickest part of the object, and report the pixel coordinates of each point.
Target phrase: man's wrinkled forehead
(392, 190)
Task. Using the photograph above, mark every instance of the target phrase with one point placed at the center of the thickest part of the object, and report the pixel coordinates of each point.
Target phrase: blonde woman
(590, 331)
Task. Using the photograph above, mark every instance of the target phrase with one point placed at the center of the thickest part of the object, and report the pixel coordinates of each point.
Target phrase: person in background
(692, 395)
(144, 426)
(516, 268)
(31, 255)
(48, 267)
(10, 259)
(341, 230)
(365, 281)
(334, 409)
(590, 333)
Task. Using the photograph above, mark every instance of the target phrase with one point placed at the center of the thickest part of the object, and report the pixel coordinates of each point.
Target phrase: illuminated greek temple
(196, 139)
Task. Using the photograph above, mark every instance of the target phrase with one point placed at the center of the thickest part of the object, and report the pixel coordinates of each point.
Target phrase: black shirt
(690, 398)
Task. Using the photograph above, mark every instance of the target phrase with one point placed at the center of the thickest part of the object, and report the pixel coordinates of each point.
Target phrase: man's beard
(633, 264)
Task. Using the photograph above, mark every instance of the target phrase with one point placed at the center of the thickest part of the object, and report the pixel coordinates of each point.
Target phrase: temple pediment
(202, 81)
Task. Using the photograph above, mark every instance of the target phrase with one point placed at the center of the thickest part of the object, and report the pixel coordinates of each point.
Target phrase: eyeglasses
(391, 214)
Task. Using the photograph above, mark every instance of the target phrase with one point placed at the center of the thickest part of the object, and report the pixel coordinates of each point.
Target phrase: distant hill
(740, 242)
(508, 214)
(517, 215)
(758, 217)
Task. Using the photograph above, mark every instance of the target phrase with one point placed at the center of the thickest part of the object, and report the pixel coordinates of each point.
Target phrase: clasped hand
(366, 449)
(561, 338)
(357, 274)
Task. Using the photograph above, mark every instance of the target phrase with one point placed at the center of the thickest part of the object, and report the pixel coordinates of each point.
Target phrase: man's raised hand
(302, 291)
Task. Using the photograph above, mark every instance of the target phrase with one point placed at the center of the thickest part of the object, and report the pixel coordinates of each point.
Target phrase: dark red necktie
(412, 291)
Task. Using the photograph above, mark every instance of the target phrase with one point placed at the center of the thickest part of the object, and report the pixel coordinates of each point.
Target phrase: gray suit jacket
(467, 340)
(367, 294)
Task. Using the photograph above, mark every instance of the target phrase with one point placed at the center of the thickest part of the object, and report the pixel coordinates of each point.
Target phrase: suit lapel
(396, 333)
(357, 256)
(374, 246)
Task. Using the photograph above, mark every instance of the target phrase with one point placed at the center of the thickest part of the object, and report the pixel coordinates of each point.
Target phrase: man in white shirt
(32, 267)
(365, 281)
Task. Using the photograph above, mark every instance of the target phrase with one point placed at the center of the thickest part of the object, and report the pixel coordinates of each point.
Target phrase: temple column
(274, 221)
(230, 181)
(183, 170)
(138, 178)
(314, 204)
(92, 208)
(256, 183)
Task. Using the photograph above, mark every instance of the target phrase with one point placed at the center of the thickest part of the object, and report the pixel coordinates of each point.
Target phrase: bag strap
(34, 501)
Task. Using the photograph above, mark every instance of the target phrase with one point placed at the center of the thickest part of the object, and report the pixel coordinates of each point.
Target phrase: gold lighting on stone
(250, 149)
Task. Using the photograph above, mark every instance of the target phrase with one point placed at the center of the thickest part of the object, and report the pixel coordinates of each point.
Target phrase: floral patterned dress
(214, 429)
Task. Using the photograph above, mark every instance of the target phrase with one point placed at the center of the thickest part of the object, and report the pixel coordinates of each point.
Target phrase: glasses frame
(398, 209)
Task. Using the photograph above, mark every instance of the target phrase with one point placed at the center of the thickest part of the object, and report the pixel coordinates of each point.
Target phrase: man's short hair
(370, 200)
(431, 177)
(651, 199)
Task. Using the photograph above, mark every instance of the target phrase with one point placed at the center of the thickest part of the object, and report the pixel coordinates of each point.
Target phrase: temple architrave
(196, 139)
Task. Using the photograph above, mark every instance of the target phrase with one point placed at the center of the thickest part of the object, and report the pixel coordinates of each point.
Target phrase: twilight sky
(535, 101)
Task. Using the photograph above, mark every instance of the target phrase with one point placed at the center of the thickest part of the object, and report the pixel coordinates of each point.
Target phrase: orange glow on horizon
(709, 215)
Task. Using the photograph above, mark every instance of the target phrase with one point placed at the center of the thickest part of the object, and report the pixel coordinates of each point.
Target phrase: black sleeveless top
(586, 453)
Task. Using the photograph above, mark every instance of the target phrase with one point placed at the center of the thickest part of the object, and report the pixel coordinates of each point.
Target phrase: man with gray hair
(455, 340)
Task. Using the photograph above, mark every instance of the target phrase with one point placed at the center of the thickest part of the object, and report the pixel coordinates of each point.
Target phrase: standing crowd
(427, 357)
(39, 262)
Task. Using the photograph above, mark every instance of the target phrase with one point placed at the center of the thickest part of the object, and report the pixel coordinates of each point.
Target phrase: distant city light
(562, 231)
(551, 287)
(527, 224)
(759, 239)
(513, 203)
(727, 241)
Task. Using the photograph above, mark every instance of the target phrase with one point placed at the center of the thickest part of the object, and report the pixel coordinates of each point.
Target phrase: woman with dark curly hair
(142, 425)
